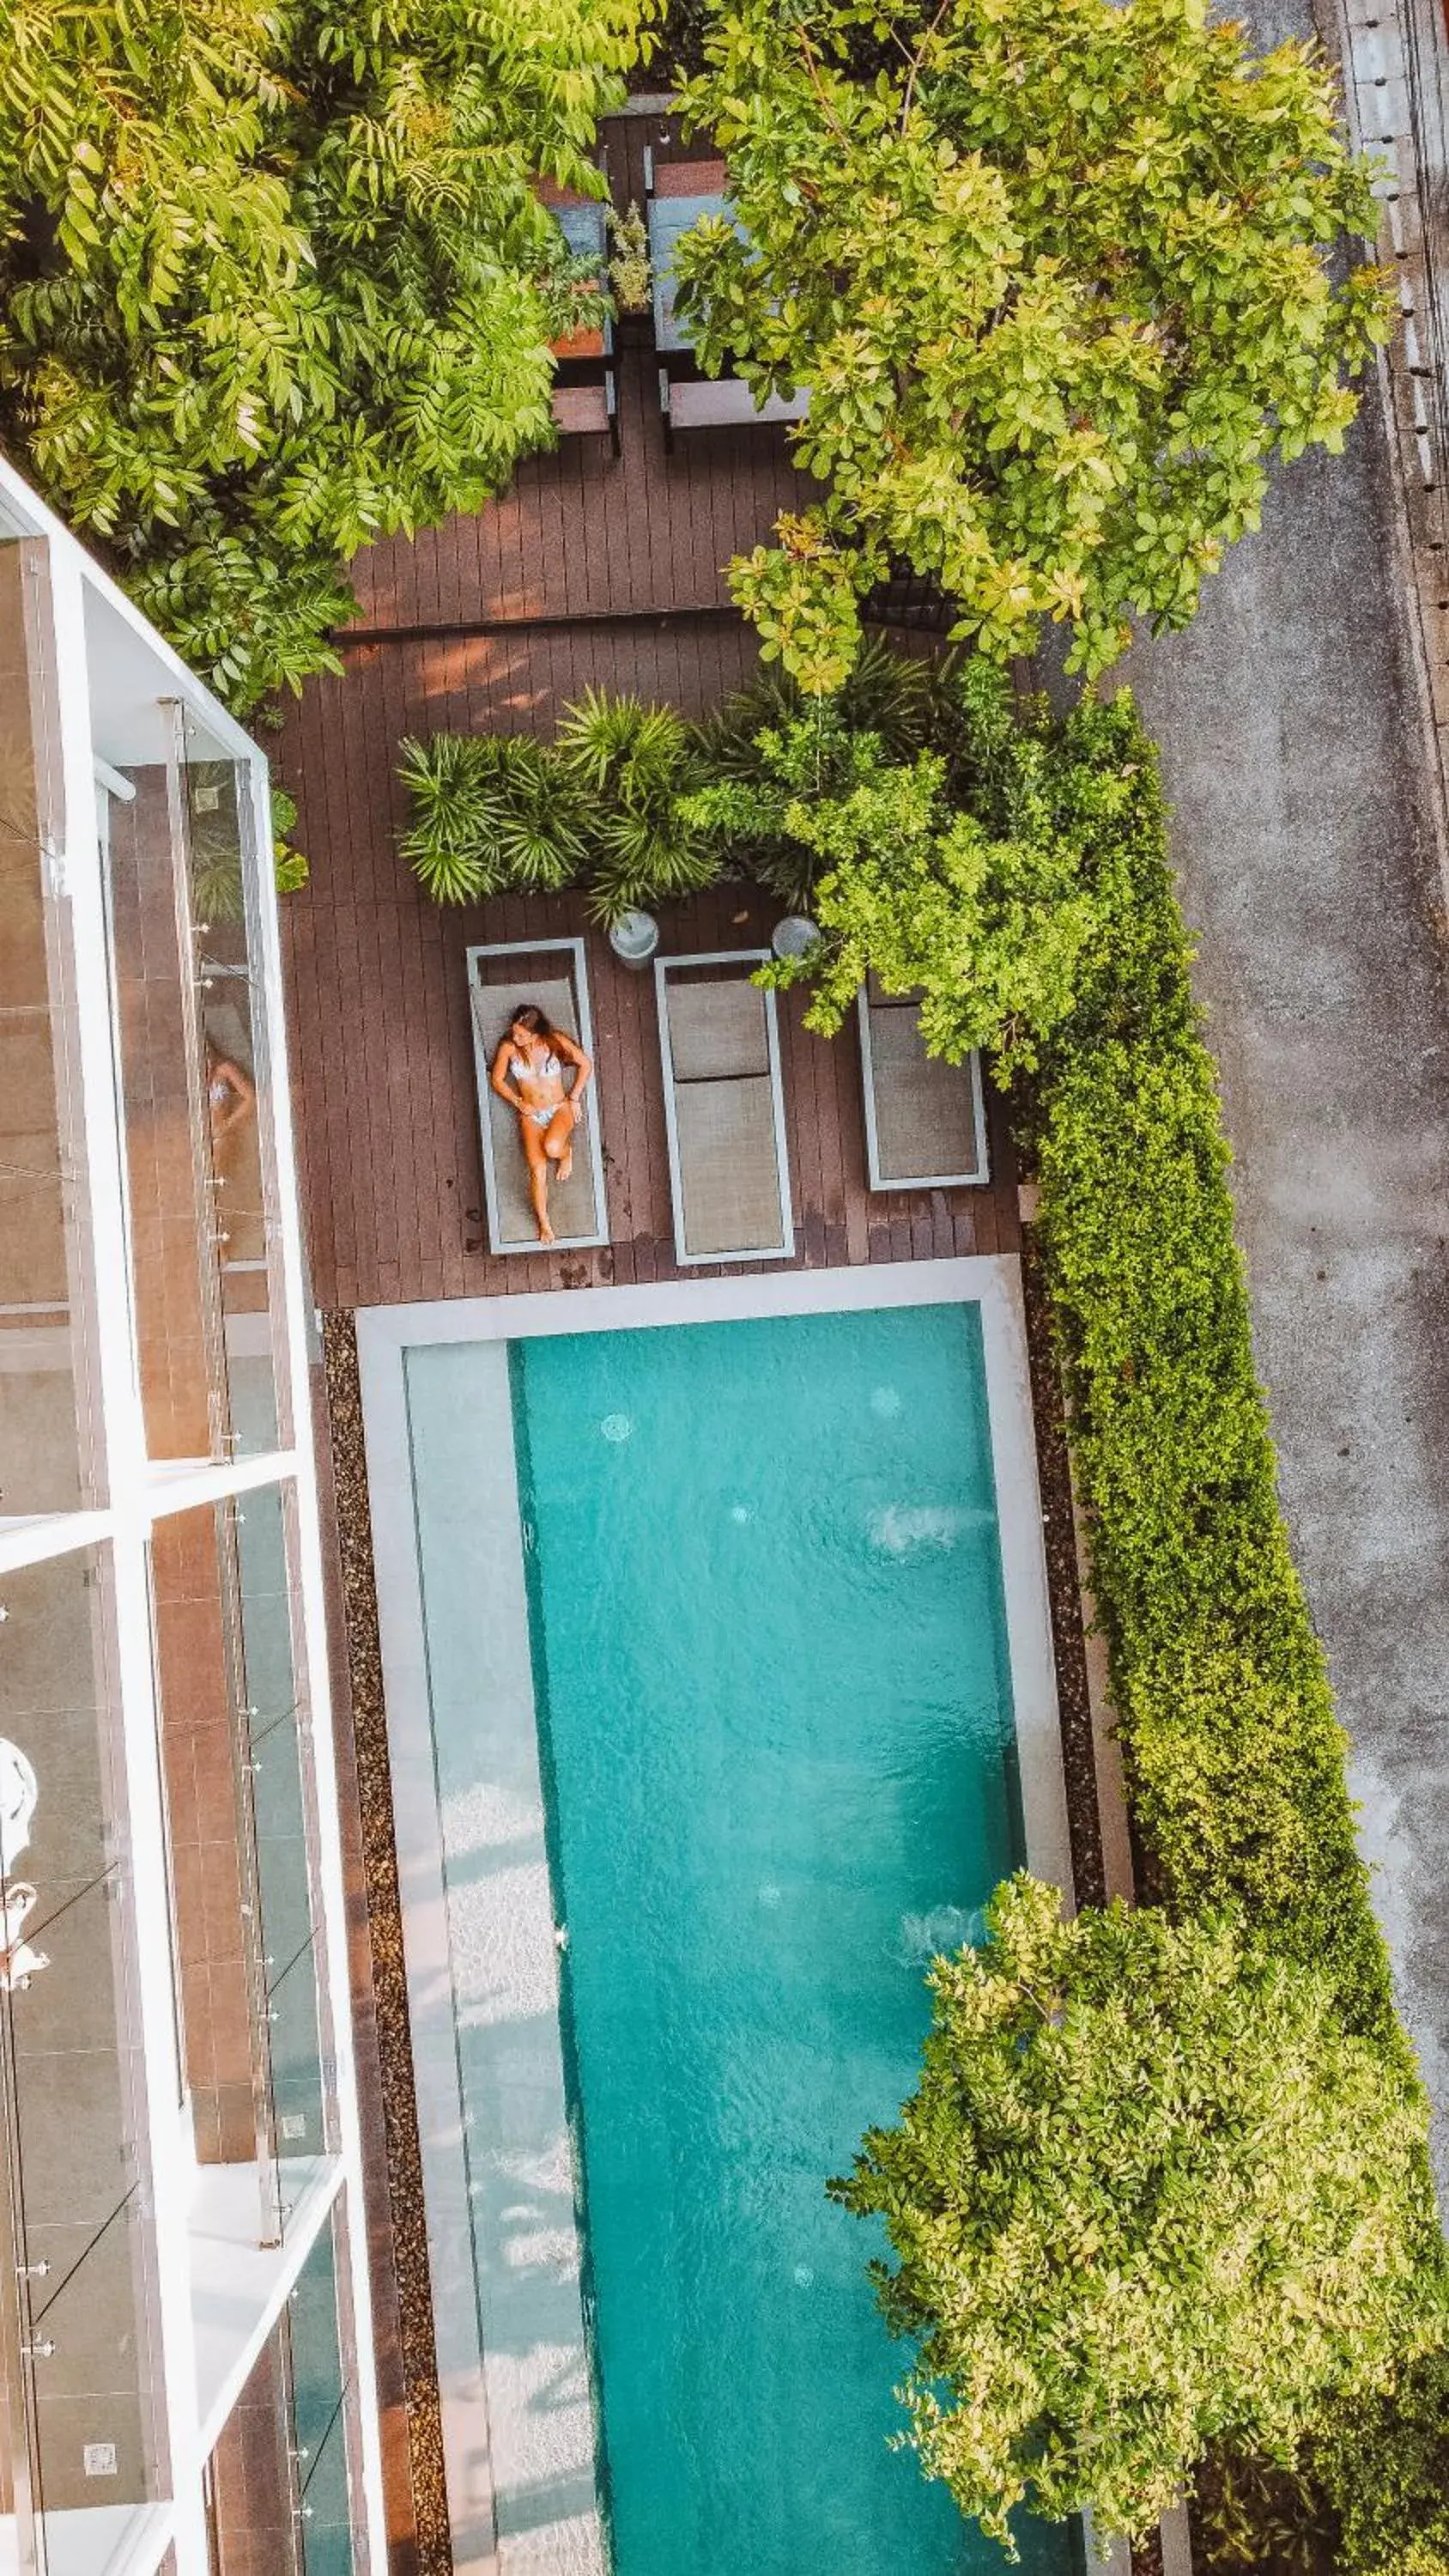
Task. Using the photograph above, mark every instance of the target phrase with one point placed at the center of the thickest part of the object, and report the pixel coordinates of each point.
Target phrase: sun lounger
(925, 1121)
(720, 402)
(585, 396)
(677, 193)
(724, 1109)
(551, 973)
(578, 410)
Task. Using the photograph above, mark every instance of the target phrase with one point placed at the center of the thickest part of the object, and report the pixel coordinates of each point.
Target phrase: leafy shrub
(1149, 2192)
(1384, 2461)
(1057, 278)
(1234, 1756)
(599, 806)
(492, 812)
(635, 764)
(276, 281)
(289, 865)
(772, 754)
(630, 274)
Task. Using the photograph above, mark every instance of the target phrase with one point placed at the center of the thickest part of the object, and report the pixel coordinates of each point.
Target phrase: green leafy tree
(1148, 2193)
(1057, 278)
(958, 873)
(275, 280)
(990, 929)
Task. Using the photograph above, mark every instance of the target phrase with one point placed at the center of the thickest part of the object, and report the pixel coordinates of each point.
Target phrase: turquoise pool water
(770, 1660)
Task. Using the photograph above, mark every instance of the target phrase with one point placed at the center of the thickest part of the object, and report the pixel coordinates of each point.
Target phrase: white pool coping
(385, 1335)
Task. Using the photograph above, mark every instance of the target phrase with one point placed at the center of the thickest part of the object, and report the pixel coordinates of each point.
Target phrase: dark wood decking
(591, 570)
(389, 1121)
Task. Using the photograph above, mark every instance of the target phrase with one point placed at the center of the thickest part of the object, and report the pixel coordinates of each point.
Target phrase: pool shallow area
(712, 1744)
(773, 1684)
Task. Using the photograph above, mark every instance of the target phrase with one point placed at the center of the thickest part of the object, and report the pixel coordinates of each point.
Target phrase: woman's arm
(498, 1079)
(573, 1054)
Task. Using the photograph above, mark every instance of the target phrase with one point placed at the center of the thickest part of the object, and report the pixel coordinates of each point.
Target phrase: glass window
(183, 856)
(46, 1460)
(280, 2484)
(320, 2394)
(76, 2200)
(222, 865)
(237, 1763)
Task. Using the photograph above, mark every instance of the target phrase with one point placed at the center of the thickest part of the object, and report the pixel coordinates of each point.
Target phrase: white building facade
(185, 2342)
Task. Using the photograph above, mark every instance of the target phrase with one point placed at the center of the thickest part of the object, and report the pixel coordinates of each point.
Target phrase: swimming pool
(765, 1644)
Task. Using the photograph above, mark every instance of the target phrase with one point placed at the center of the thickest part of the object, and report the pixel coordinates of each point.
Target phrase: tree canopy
(1057, 279)
(1148, 2193)
(275, 280)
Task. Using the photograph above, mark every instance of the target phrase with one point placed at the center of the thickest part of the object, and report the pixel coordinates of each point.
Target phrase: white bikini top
(549, 1070)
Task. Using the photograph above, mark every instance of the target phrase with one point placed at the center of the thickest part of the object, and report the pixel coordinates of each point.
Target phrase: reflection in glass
(319, 2394)
(44, 1256)
(220, 854)
(70, 2069)
(195, 1098)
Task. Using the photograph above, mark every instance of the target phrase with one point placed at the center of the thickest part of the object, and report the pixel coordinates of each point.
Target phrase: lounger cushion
(726, 402)
(925, 1111)
(689, 178)
(580, 409)
(572, 1210)
(717, 1029)
(729, 1170)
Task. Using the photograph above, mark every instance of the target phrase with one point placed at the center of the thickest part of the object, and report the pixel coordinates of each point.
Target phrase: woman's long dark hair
(529, 1016)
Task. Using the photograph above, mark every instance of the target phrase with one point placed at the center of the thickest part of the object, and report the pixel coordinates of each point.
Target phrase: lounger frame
(573, 951)
(784, 1250)
(875, 1178)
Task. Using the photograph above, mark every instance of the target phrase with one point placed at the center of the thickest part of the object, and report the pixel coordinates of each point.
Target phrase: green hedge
(1234, 1759)
(1234, 1756)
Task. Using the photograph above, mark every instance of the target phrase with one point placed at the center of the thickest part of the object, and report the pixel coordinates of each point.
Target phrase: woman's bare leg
(558, 1140)
(537, 1159)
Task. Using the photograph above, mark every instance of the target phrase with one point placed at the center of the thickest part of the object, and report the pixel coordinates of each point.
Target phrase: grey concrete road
(1293, 758)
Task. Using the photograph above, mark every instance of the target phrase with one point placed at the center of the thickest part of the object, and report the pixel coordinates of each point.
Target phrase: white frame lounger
(969, 1072)
(491, 1108)
(783, 1248)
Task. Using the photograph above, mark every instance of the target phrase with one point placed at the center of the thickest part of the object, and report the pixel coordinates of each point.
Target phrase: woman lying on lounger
(528, 1072)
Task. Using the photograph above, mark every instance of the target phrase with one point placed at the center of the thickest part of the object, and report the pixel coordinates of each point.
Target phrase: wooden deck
(389, 1124)
(596, 570)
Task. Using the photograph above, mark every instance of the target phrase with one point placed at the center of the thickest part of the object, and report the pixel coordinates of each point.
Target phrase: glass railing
(236, 1755)
(181, 855)
(76, 2204)
(297, 2072)
(221, 863)
(47, 1463)
(278, 1766)
(281, 2480)
(319, 2415)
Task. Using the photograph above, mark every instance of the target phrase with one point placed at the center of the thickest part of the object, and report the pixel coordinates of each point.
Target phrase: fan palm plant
(491, 813)
(633, 764)
(889, 693)
(442, 841)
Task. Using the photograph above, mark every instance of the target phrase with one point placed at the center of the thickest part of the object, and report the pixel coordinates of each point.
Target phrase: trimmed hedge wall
(1234, 1759)
(1236, 1762)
